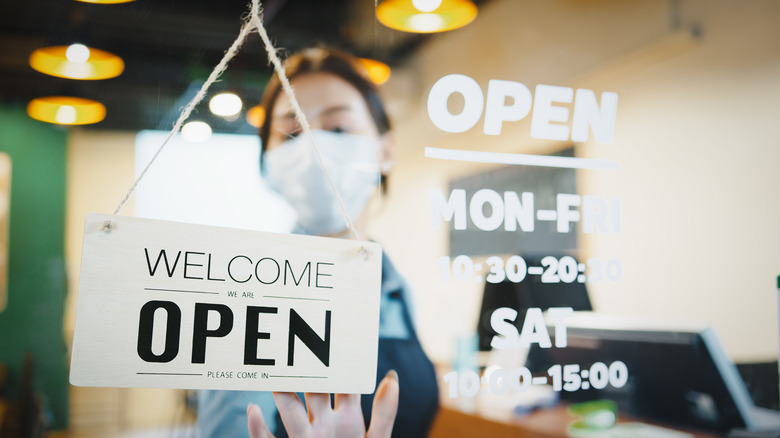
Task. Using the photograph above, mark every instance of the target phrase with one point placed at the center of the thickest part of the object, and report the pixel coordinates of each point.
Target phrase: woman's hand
(345, 419)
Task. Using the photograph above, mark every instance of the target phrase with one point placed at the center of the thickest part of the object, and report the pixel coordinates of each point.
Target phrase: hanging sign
(173, 305)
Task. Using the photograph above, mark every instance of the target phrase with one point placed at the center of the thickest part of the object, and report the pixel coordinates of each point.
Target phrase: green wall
(33, 319)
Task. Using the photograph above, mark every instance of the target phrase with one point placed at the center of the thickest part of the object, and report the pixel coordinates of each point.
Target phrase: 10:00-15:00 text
(568, 378)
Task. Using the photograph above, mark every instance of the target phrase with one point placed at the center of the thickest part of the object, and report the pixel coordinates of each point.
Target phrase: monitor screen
(677, 375)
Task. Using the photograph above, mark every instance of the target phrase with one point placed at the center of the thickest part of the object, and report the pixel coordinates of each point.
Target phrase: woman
(349, 125)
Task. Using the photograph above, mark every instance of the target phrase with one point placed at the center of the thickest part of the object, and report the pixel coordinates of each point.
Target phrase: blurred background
(695, 137)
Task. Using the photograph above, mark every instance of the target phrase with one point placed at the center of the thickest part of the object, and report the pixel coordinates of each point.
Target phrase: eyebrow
(328, 111)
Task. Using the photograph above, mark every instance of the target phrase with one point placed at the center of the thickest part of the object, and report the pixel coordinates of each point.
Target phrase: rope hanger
(251, 23)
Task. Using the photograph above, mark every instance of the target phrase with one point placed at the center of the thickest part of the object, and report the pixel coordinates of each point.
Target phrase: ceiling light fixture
(105, 2)
(256, 116)
(379, 72)
(426, 16)
(426, 5)
(76, 61)
(65, 110)
(226, 104)
(196, 132)
(77, 53)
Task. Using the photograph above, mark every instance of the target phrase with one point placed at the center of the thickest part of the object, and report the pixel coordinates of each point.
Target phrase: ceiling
(170, 46)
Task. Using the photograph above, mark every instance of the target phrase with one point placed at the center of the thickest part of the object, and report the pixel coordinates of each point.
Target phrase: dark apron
(419, 396)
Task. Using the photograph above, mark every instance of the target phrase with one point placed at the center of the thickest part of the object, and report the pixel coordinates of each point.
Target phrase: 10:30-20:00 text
(515, 269)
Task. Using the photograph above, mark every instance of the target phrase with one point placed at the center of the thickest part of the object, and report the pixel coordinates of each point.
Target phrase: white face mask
(293, 170)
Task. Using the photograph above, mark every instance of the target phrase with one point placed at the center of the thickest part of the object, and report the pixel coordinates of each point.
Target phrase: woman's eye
(291, 133)
(338, 130)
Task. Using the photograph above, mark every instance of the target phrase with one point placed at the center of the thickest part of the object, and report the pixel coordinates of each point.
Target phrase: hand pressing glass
(343, 420)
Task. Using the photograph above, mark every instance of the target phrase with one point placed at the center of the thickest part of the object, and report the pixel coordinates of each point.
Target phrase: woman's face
(329, 103)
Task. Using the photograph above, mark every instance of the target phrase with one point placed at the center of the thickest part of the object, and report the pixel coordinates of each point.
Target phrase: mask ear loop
(300, 117)
(381, 168)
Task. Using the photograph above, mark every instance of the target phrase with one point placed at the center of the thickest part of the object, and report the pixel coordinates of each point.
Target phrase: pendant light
(105, 2)
(255, 116)
(379, 72)
(65, 110)
(76, 61)
(226, 104)
(426, 16)
(196, 132)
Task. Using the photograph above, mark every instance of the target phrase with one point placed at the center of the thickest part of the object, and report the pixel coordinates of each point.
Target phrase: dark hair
(322, 60)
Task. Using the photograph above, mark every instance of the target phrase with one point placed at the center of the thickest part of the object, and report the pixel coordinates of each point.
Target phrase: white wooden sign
(173, 305)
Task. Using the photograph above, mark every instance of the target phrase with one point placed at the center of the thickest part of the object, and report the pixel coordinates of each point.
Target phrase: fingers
(255, 422)
(385, 407)
(346, 401)
(349, 416)
(293, 414)
(317, 404)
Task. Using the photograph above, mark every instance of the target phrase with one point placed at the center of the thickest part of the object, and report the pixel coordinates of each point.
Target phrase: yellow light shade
(105, 2)
(64, 110)
(379, 72)
(426, 16)
(256, 116)
(55, 61)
